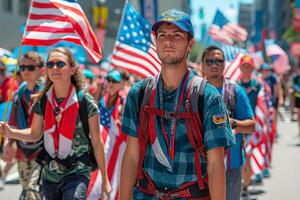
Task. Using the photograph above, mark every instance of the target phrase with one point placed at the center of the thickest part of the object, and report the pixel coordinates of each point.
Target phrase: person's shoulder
(22, 87)
(135, 88)
(211, 93)
(85, 95)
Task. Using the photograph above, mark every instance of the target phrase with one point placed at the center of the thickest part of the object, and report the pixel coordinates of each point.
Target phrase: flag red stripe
(33, 16)
(255, 159)
(113, 158)
(49, 29)
(93, 178)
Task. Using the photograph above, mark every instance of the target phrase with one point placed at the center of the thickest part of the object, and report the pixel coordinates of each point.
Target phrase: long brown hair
(76, 78)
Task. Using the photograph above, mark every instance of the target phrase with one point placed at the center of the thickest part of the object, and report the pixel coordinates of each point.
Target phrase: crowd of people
(178, 127)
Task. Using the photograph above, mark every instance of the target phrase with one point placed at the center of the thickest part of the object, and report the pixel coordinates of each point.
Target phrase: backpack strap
(145, 92)
(43, 102)
(230, 98)
(144, 99)
(83, 113)
(195, 131)
(197, 89)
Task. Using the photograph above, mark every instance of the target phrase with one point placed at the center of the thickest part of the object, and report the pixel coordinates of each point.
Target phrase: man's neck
(218, 83)
(172, 76)
(246, 79)
(112, 100)
(31, 85)
(61, 90)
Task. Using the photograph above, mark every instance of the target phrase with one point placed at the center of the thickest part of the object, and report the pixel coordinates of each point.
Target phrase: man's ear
(190, 45)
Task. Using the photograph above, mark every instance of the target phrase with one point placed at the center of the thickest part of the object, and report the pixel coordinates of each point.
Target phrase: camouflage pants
(29, 173)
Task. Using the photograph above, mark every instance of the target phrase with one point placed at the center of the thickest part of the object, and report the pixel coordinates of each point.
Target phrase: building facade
(246, 17)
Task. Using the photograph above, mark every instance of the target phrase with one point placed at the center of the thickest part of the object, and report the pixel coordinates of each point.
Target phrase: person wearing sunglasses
(67, 143)
(240, 115)
(21, 118)
(111, 109)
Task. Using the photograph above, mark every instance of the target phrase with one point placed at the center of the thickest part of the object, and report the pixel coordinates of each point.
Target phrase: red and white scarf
(58, 135)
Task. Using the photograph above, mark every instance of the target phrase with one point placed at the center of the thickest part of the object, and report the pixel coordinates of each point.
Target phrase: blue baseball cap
(265, 66)
(115, 75)
(88, 74)
(176, 17)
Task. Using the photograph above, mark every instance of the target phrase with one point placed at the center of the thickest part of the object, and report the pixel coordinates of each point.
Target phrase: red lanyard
(180, 94)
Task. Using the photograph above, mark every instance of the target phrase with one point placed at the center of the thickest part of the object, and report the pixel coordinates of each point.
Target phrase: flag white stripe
(50, 23)
(47, 36)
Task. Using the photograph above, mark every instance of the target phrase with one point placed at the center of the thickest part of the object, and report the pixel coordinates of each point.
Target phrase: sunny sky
(228, 7)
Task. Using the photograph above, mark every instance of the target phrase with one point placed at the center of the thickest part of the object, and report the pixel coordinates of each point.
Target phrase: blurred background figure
(273, 82)
(296, 92)
(5, 83)
(21, 118)
(89, 82)
(111, 107)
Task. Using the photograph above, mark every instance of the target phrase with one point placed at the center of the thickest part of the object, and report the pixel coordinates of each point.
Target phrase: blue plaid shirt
(183, 165)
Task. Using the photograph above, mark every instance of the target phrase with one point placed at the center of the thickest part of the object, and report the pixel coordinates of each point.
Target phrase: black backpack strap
(87, 158)
(43, 103)
(83, 113)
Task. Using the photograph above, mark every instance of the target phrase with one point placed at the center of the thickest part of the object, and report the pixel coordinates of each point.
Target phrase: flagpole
(11, 89)
(123, 13)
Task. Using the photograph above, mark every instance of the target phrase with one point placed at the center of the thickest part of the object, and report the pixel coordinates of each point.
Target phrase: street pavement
(283, 184)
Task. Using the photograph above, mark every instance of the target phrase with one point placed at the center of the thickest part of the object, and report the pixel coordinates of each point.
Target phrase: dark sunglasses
(110, 80)
(28, 67)
(210, 62)
(58, 64)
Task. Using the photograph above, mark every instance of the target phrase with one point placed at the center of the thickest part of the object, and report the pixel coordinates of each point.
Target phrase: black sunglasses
(28, 67)
(210, 62)
(58, 64)
(110, 80)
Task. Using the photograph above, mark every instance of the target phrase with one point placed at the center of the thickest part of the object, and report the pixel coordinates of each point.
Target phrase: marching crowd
(189, 133)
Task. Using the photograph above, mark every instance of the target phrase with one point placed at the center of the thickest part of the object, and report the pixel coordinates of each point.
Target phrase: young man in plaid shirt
(166, 166)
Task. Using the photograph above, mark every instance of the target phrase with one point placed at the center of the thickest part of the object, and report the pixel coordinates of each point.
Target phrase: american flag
(114, 148)
(224, 31)
(51, 21)
(278, 56)
(133, 50)
(258, 138)
(233, 55)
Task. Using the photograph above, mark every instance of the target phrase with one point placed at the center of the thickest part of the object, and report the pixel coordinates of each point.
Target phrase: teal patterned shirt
(183, 166)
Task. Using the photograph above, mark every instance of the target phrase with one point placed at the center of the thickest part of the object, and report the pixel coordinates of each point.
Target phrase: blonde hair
(76, 78)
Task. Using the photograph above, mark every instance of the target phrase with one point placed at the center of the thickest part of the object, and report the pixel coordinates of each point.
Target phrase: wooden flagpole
(11, 89)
